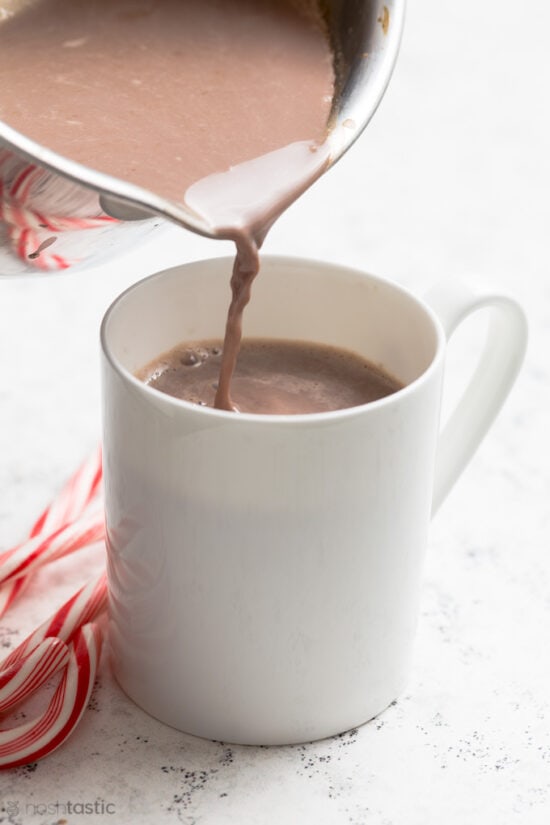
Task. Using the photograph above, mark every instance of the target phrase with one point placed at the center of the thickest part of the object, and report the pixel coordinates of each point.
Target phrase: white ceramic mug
(264, 571)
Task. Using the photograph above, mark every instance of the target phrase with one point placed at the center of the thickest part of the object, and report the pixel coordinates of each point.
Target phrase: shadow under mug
(264, 571)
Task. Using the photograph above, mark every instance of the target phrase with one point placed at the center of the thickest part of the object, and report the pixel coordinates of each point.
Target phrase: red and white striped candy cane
(69, 639)
(85, 606)
(51, 531)
(36, 739)
(10, 592)
(82, 488)
(24, 677)
(23, 560)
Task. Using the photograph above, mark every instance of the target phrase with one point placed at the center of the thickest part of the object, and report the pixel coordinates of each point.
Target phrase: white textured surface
(450, 180)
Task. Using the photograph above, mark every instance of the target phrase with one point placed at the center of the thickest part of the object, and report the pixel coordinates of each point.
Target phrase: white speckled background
(451, 180)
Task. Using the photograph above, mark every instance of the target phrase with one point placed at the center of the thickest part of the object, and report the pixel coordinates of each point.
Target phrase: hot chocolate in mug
(264, 570)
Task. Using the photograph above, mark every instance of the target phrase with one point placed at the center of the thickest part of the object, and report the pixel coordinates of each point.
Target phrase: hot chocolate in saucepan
(221, 104)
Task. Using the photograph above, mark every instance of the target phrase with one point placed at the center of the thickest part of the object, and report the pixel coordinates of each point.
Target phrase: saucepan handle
(496, 371)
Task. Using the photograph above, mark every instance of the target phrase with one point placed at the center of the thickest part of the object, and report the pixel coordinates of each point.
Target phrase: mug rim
(227, 416)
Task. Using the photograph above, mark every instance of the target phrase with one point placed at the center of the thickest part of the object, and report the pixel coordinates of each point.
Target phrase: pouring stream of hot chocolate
(245, 268)
(240, 210)
(221, 104)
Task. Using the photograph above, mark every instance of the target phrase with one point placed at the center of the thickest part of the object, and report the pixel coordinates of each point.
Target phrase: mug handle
(491, 382)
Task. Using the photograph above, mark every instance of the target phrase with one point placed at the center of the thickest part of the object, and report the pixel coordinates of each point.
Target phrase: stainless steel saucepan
(365, 37)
